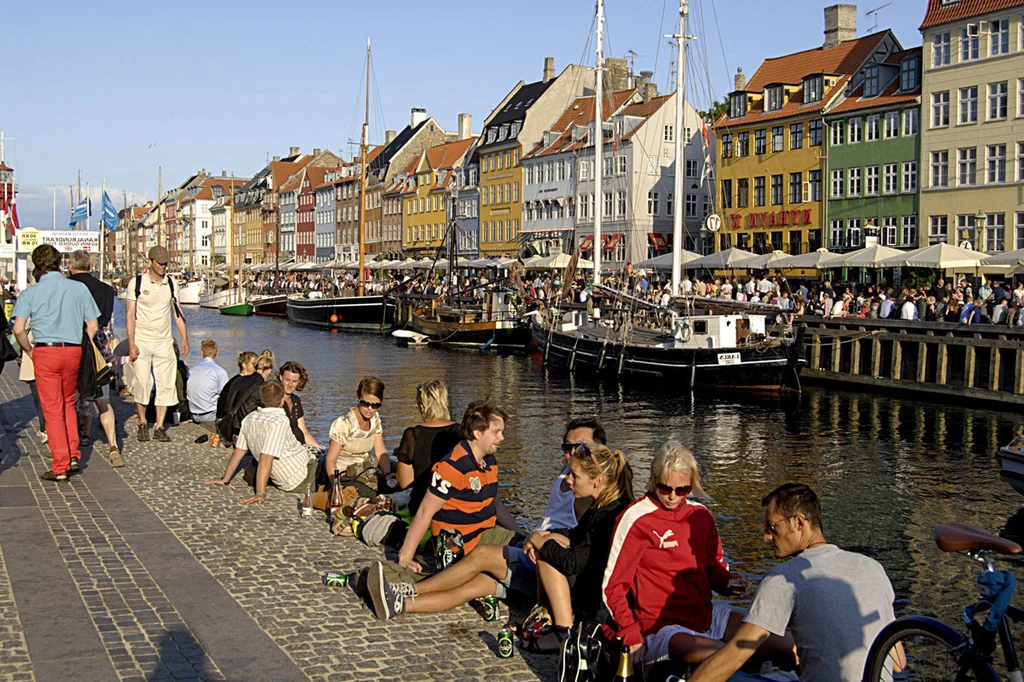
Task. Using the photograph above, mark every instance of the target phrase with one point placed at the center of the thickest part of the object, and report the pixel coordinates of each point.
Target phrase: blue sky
(120, 89)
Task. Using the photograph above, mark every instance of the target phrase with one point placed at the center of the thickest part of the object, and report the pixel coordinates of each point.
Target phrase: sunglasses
(680, 490)
(581, 451)
(367, 403)
(772, 527)
(567, 448)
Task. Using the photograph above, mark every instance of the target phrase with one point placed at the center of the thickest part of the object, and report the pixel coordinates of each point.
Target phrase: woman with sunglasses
(666, 558)
(358, 433)
(603, 477)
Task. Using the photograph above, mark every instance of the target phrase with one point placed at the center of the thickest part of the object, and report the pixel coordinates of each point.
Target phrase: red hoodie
(662, 568)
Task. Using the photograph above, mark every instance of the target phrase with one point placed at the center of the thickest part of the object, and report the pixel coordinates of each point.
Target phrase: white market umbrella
(378, 264)
(557, 262)
(937, 257)
(1008, 259)
(868, 257)
(533, 259)
(664, 261)
(815, 259)
(729, 259)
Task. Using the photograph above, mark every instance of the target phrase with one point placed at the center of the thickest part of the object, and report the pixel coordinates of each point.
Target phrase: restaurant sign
(770, 219)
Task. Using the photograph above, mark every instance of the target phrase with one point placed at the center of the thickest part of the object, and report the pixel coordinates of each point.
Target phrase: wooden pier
(952, 361)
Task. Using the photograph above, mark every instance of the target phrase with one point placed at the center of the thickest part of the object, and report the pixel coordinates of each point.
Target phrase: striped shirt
(468, 491)
(267, 431)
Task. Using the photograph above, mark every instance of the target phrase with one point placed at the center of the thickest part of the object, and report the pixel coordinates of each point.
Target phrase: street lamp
(980, 221)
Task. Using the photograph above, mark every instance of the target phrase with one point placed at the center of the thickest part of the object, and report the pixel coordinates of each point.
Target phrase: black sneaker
(143, 433)
(75, 468)
(161, 435)
(50, 476)
(387, 602)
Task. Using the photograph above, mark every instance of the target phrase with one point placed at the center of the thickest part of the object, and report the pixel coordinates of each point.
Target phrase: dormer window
(812, 89)
(738, 105)
(908, 74)
(871, 81)
(516, 126)
(774, 97)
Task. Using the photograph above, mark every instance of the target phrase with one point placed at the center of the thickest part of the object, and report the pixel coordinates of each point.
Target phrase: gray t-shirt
(833, 602)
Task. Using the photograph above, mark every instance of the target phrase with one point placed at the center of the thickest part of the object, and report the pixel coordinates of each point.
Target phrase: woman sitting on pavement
(246, 368)
(293, 378)
(427, 443)
(666, 558)
(244, 397)
(356, 436)
(599, 474)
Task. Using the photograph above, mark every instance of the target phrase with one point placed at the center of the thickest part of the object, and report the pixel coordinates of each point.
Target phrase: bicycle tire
(922, 635)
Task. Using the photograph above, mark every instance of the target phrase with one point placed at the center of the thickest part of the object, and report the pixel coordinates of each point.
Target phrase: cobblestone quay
(143, 573)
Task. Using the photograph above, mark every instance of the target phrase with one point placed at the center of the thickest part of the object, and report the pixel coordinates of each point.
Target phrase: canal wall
(942, 360)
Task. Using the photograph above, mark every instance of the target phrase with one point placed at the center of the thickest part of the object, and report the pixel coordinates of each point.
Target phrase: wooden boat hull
(218, 298)
(243, 309)
(505, 333)
(774, 367)
(345, 313)
(274, 306)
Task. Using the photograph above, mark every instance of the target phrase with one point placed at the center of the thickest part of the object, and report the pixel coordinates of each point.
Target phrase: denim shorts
(521, 575)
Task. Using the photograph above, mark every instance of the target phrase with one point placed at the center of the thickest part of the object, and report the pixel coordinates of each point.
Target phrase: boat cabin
(716, 331)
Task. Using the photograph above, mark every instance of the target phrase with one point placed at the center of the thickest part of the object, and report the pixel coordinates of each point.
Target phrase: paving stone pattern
(265, 557)
(14, 661)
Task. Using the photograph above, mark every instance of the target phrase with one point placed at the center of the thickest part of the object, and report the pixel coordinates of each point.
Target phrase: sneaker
(43, 438)
(75, 468)
(407, 590)
(143, 433)
(50, 476)
(387, 602)
(161, 435)
(115, 458)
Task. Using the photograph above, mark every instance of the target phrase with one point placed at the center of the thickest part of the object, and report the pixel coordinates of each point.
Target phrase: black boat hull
(772, 368)
(504, 333)
(273, 306)
(346, 313)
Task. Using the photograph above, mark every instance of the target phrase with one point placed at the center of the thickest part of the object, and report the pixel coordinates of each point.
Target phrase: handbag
(104, 373)
(7, 350)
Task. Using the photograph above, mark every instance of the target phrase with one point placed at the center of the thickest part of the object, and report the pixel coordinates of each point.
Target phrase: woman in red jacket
(666, 558)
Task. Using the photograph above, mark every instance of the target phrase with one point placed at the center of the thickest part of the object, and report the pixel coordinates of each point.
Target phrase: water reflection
(887, 469)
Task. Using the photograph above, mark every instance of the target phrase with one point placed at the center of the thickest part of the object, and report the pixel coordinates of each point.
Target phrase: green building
(872, 150)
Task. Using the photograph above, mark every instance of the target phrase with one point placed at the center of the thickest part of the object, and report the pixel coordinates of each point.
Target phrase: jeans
(204, 417)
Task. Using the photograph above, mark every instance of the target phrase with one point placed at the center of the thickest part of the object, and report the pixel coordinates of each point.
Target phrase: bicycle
(918, 648)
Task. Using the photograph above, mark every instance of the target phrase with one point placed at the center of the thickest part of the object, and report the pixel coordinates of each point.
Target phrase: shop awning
(587, 243)
(611, 241)
(657, 240)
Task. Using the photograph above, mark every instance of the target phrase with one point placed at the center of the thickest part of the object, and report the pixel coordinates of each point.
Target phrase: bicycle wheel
(919, 649)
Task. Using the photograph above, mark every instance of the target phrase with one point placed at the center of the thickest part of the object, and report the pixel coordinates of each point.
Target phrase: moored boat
(373, 313)
(274, 305)
(188, 292)
(240, 309)
(1011, 457)
(218, 298)
(496, 323)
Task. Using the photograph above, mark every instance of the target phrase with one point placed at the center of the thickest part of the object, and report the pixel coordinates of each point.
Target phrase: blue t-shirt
(965, 314)
(58, 308)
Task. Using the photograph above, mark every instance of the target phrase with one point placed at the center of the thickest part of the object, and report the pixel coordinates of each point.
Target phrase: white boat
(188, 293)
(219, 298)
(1012, 458)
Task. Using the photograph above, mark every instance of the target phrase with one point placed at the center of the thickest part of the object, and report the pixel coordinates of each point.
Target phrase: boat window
(700, 326)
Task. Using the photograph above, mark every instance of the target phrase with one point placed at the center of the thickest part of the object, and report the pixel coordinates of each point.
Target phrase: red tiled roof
(442, 155)
(581, 113)
(889, 96)
(795, 106)
(282, 170)
(896, 57)
(943, 13)
(844, 58)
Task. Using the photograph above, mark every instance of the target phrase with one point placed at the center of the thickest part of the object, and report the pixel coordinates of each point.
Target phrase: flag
(108, 213)
(81, 212)
(705, 144)
(14, 217)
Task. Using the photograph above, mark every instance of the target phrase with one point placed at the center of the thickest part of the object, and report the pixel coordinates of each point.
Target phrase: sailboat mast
(677, 212)
(598, 144)
(102, 225)
(364, 144)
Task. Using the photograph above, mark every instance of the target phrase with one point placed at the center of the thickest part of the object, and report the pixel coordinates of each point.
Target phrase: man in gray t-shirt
(831, 601)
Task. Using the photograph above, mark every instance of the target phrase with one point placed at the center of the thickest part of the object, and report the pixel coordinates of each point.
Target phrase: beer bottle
(624, 672)
(336, 492)
(307, 503)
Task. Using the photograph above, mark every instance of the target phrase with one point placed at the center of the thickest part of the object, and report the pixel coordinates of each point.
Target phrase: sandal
(50, 476)
(548, 643)
(84, 441)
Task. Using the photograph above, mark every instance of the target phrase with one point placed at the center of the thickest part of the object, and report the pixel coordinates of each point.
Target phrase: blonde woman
(427, 443)
(244, 396)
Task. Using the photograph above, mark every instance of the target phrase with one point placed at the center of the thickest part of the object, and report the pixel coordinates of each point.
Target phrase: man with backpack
(151, 303)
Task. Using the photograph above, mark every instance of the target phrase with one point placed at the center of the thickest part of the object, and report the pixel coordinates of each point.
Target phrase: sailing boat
(746, 351)
(360, 312)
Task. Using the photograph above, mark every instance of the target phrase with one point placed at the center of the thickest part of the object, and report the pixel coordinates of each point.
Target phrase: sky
(120, 90)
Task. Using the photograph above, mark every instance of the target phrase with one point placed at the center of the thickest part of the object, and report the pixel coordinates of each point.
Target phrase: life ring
(334, 319)
(685, 331)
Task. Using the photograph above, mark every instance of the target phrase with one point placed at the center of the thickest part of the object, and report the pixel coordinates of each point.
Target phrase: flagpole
(103, 222)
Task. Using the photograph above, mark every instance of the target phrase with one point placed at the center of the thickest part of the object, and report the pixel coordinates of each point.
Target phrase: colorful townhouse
(427, 196)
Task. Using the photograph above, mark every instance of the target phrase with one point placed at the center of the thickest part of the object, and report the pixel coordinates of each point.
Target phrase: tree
(717, 110)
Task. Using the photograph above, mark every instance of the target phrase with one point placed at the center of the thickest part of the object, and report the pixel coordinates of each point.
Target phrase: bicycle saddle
(962, 537)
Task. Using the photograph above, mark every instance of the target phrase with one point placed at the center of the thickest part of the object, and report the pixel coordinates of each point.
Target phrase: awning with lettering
(657, 240)
(611, 241)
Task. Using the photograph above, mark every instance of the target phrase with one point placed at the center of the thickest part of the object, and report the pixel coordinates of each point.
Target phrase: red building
(305, 220)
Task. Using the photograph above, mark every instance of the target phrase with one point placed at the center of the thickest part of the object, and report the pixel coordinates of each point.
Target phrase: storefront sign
(28, 239)
(770, 219)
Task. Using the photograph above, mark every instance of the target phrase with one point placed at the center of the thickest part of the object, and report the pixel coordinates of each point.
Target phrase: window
(796, 188)
(892, 125)
(998, 96)
(743, 144)
(938, 229)
(998, 37)
(890, 178)
(652, 203)
(855, 130)
(547, 172)
(778, 144)
(815, 134)
(776, 190)
(871, 81)
(726, 193)
(559, 171)
(759, 191)
(967, 162)
(969, 43)
(856, 175)
(760, 141)
(940, 109)
(995, 232)
(620, 204)
(742, 193)
(940, 49)
(1020, 82)
(620, 164)
(608, 203)
(692, 167)
(835, 234)
(726, 146)
(968, 105)
(995, 158)
(1020, 161)
(965, 230)
(909, 236)
(814, 179)
(812, 89)
(737, 106)
(871, 180)
(796, 134)
(940, 169)
(691, 205)
(838, 180)
(910, 122)
(608, 164)
(775, 98)
(908, 74)
(837, 133)
(584, 170)
(871, 128)
(889, 230)
(853, 232)
(669, 135)
(669, 205)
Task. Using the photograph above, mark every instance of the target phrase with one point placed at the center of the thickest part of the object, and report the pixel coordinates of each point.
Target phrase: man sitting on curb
(205, 382)
(281, 460)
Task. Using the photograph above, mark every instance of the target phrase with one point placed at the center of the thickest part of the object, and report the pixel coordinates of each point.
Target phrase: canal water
(887, 469)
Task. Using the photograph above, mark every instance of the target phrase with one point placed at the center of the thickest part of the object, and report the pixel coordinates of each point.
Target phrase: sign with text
(28, 239)
(67, 241)
(770, 219)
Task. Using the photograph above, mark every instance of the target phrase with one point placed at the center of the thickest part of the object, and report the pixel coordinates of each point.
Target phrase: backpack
(229, 425)
(174, 299)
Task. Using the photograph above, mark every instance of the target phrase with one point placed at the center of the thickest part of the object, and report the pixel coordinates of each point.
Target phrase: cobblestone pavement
(194, 603)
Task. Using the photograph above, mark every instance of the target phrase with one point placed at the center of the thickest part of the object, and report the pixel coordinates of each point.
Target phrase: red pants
(57, 380)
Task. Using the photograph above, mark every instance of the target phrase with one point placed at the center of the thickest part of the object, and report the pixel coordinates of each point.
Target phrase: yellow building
(771, 142)
(426, 195)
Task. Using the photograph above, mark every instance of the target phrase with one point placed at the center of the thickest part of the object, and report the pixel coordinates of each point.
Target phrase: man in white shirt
(909, 310)
(750, 287)
(205, 382)
(267, 434)
(686, 286)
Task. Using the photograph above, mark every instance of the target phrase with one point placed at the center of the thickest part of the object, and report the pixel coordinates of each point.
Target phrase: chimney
(648, 89)
(739, 81)
(316, 150)
(293, 151)
(465, 126)
(617, 70)
(389, 137)
(840, 24)
(417, 116)
(549, 69)
(277, 158)
(223, 173)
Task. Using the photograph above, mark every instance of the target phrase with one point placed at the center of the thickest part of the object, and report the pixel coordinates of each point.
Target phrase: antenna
(873, 13)
(633, 54)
